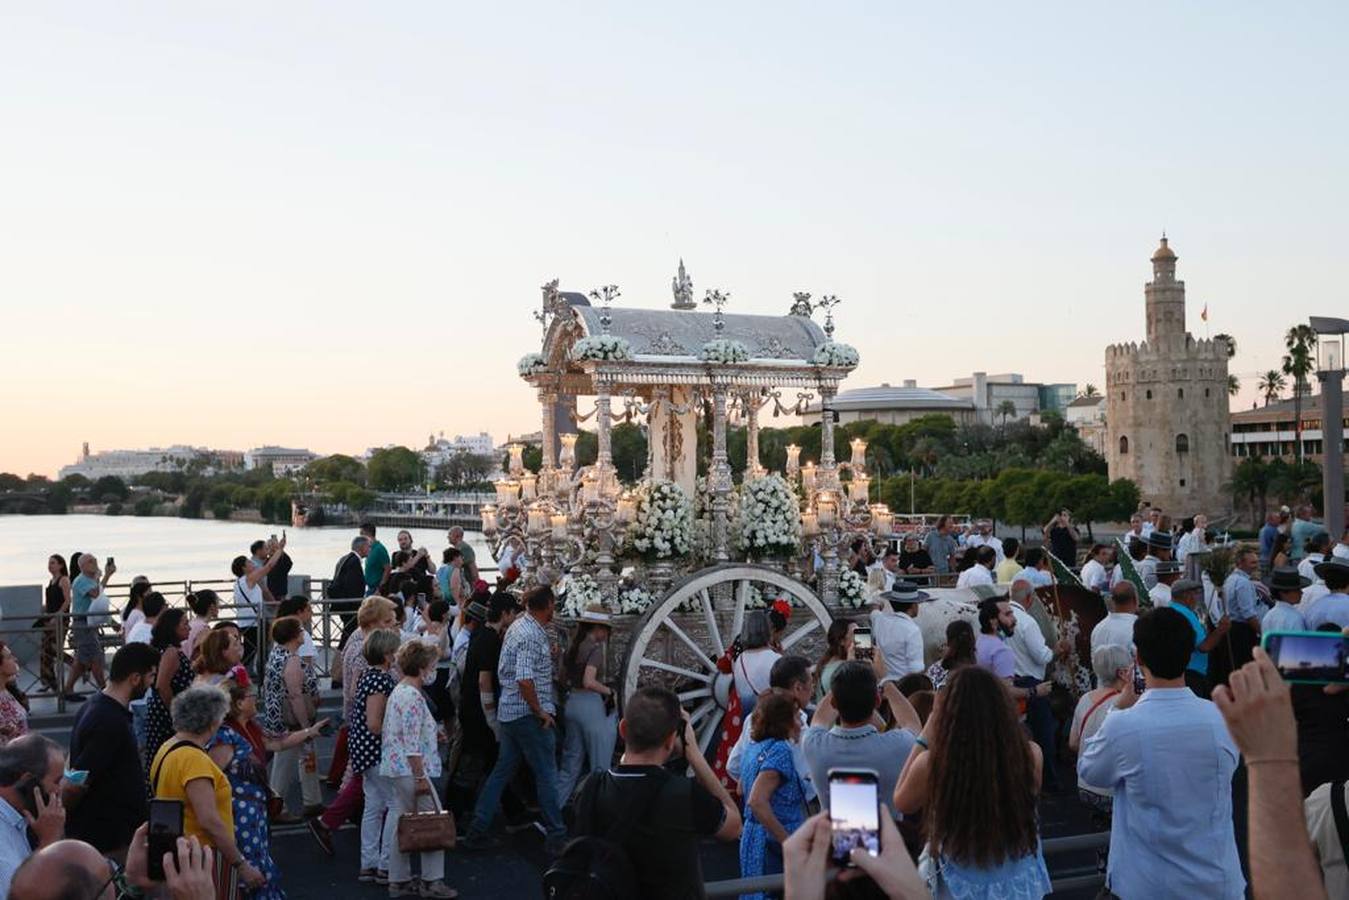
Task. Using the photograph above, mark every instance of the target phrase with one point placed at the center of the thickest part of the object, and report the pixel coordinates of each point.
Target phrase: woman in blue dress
(975, 775)
(240, 750)
(775, 804)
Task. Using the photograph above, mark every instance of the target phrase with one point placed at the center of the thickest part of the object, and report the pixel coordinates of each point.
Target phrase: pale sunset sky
(326, 224)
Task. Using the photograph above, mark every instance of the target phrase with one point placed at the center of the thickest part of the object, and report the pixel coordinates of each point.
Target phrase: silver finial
(605, 296)
(800, 304)
(717, 299)
(552, 301)
(682, 286)
(827, 303)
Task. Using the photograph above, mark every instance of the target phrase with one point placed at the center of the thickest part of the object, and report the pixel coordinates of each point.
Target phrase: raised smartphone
(1309, 657)
(862, 643)
(166, 826)
(854, 814)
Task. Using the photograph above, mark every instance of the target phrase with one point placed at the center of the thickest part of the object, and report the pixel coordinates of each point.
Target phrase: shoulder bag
(420, 832)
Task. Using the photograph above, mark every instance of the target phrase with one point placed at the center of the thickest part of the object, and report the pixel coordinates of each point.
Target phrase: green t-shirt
(470, 561)
(375, 564)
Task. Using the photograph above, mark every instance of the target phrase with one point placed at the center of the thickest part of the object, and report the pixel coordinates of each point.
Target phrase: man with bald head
(457, 541)
(75, 869)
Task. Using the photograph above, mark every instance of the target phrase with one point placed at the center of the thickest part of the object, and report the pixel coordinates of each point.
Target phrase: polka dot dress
(365, 747)
(248, 780)
(158, 721)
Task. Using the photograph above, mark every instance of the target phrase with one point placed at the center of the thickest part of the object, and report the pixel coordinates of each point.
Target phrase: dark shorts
(84, 637)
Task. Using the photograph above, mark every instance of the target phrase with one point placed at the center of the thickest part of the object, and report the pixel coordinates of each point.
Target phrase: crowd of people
(460, 695)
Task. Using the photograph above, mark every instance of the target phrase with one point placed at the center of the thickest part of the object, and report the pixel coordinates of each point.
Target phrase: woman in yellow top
(183, 771)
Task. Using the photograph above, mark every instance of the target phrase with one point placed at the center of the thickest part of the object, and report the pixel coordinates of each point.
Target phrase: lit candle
(857, 489)
(793, 460)
(489, 519)
(810, 525)
(559, 526)
(538, 520)
(590, 488)
(503, 491)
(808, 478)
(825, 507)
(626, 508)
(528, 486)
(517, 463)
(859, 453)
(567, 458)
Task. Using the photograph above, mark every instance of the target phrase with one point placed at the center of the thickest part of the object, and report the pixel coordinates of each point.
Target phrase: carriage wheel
(678, 648)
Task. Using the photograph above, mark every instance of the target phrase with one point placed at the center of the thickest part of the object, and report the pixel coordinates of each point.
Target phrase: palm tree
(1233, 385)
(1300, 341)
(1231, 343)
(1090, 391)
(1272, 383)
(1006, 409)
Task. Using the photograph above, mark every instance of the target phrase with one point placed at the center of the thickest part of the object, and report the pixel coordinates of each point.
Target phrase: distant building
(890, 405)
(283, 460)
(533, 438)
(987, 393)
(132, 463)
(1167, 413)
(1269, 431)
(439, 450)
(1087, 416)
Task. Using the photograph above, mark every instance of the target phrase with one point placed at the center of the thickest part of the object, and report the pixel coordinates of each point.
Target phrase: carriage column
(548, 401)
(604, 463)
(721, 477)
(827, 480)
(752, 467)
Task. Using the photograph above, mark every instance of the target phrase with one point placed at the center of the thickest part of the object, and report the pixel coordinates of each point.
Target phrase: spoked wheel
(679, 638)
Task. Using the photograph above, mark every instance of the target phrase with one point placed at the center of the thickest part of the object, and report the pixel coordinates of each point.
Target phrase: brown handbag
(420, 832)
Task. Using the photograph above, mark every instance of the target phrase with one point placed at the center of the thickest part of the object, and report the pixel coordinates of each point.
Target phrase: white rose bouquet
(852, 589)
(633, 600)
(531, 364)
(582, 591)
(603, 347)
(663, 527)
(842, 356)
(724, 350)
(769, 518)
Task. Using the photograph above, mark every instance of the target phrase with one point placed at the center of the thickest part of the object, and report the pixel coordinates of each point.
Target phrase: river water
(169, 549)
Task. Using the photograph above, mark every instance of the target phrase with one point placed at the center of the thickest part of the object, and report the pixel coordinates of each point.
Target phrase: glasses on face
(116, 880)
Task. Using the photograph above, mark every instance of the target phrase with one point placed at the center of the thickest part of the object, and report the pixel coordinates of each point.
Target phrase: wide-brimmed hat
(595, 615)
(1287, 578)
(1160, 540)
(1185, 586)
(905, 592)
(1333, 564)
(1168, 567)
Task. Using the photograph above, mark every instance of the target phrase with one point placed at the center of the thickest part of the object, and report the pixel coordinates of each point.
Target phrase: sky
(326, 224)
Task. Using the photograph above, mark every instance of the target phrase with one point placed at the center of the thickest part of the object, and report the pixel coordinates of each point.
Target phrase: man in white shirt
(1159, 548)
(1117, 628)
(1032, 654)
(1094, 574)
(1318, 546)
(1153, 523)
(894, 631)
(983, 536)
(1135, 532)
(1193, 540)
(881, 577)
(144, 630)
(1167, 574)
(982, 571)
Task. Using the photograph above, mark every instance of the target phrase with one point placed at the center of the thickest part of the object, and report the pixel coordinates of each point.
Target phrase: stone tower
(1166, 405)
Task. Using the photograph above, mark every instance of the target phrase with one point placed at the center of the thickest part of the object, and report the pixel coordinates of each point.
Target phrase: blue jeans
(523, 739)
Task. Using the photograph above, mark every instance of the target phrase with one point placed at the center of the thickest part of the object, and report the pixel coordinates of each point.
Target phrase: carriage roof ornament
(717, 299)
(827, 303)
(800, 304)
(682, 287)
(552, 305)
(605, 296)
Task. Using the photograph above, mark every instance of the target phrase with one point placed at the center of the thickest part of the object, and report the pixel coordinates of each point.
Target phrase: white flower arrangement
(531, 364)
(602, 347)
(633, 600)
(852, 589)
(769, 518)
(663, 527)
(836, 355)
(724, 350)
(582, 591)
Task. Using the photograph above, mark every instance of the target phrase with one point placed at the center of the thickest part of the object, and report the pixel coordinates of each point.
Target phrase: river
(169, 549)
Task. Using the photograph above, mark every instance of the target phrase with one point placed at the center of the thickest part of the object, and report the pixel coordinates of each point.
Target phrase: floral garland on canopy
(724, 350)
(770, 520)
(836, 355)
(663, 528)
(633, 600)
(581, 591)
(852, 589)
(602, 347)
(531, 364)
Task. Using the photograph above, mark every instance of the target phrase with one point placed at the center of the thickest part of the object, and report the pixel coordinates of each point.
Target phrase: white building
(989, 392)
(283, 460)
(1087, 416)
(131, 463)
(439, 450)
(892, 405)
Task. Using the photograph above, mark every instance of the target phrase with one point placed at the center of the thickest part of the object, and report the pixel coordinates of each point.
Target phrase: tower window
(1182, 482)
(1206, 392)
(1180, 392)
(1121, 395)
(1149, 396)
(1182, 443)
(1123, 444)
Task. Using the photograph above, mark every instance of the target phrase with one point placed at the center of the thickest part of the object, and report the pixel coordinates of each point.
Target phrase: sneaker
(476, 843)
(411, 888)
(381, 876)
(523, 825)
(368, 876)
(438, 889)
(324, 837)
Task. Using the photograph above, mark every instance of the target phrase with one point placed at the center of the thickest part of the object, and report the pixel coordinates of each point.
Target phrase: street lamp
(1330, 341)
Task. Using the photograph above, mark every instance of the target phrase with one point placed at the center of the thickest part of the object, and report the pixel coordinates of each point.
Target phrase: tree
(76, 482)
(629, 449)
(145, 506)
(1090, 391)
(396, 469)
(10, 482)
(1233, 385)
(1230, 341)
(1006, 409)
(1300, 342)
(1271, 384)
(338, 467)
(463, 469)
(107, 488)
(1251, 482)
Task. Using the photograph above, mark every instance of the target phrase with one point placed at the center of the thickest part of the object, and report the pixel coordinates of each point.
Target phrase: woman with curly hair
(975, 776)
(959, 652)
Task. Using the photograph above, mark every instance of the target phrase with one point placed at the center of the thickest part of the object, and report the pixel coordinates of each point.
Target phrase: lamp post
(1330, 341)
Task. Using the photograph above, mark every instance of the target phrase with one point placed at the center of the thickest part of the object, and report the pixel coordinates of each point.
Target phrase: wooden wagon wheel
(679, 648)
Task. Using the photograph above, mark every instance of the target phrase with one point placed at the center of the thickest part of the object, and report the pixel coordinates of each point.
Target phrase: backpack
(598, 867)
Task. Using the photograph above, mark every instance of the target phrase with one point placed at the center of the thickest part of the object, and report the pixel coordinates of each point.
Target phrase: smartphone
(273, 538)
(166, 826)
(854, 814)
(109, 564)
(861, 642)
(1309, 657)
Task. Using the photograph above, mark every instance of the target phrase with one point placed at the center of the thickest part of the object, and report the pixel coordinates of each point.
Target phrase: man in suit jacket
(347, 588)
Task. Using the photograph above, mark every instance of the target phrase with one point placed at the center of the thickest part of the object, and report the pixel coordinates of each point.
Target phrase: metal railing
(1068, 880)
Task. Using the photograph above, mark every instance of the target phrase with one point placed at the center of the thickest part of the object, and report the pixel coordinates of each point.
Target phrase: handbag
(420, 832)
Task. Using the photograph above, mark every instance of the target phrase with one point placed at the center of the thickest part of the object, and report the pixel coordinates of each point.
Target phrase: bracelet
(922, 742)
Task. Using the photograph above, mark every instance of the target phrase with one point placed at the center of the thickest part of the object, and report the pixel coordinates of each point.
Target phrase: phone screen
(1309, 657)
(109, 564)
(166, 826)
(854, 814)
(862, 643)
